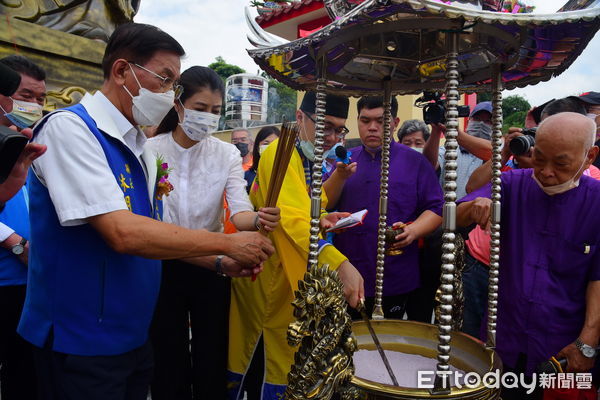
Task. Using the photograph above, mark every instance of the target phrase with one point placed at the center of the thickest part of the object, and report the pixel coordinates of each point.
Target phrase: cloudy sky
(211, 28)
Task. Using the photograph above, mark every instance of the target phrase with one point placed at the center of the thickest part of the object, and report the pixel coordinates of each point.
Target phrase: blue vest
(83, 298)
(16, 217)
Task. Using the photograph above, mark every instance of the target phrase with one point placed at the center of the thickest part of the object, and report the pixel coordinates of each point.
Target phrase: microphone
(342, 154)
(9, 80)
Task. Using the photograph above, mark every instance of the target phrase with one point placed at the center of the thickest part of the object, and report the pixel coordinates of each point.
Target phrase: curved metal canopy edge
(405, 40)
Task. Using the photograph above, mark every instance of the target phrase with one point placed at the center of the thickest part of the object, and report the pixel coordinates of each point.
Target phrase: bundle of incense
(285, 149)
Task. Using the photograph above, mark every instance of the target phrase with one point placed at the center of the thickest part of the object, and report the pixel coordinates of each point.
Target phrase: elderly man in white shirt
(95, 243)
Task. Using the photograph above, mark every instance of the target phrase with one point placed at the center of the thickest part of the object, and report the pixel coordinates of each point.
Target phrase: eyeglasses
(167, 83)
(340, 132)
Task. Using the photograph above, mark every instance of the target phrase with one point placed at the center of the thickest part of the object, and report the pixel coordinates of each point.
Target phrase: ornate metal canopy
(405, 40)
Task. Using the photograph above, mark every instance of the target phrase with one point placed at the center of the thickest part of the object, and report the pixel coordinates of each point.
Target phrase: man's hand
(234, 269)
(249, 248)
(406, 237)
(345, 171)
(269, 218)
(329, 220)
(576, 361)
(438, 129)
(354, 286)
(481, 209)
(18, 174)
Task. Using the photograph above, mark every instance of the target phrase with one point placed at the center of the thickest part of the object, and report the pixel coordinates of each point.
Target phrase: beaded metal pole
(317, 171)
(383, 198)
(441, 383)
(495, 222)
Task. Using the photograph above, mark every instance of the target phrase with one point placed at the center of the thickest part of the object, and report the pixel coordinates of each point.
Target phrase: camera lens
(521, 144)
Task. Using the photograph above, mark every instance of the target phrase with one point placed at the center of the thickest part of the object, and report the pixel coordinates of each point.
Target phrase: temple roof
(405, 40)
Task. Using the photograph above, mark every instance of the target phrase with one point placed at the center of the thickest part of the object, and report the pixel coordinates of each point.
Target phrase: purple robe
(548, 255)
(413, 189)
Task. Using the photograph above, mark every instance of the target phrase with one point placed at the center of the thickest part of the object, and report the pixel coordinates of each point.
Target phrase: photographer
(475, 146)
(549, 298)
(20, 110)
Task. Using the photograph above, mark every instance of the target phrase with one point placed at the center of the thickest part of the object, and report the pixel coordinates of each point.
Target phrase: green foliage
(516, 119)
(514, 104)
(225, 70)
(282, 102)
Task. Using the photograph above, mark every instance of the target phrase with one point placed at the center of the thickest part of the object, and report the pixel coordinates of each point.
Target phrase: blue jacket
(84, 298)
(15, 216)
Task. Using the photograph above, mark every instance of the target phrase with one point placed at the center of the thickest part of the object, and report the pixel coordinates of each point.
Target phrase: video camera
(522, 144)
(434, 108)
(12, 143)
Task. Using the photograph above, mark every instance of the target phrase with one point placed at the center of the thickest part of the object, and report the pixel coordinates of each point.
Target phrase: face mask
(562, 187)
(480, 129)
(262, 148)
(243, 148)
(308, 149)
(24, 113)
(150, 108)
(417, 149)
(198, 125)
(331, 153)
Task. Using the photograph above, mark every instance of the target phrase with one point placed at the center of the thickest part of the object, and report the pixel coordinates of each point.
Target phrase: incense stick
(283, 155)
(285, 149)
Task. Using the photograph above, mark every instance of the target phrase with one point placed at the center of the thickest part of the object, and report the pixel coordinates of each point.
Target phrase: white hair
(242, 130)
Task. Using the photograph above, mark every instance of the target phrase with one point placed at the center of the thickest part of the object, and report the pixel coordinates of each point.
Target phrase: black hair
(260, 136)
(371, 102)
(24, 66)
(566, 104)
(192, 80)
(137, 43)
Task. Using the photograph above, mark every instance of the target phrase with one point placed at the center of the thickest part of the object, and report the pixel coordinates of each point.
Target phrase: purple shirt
(413, 189)
(549, 253)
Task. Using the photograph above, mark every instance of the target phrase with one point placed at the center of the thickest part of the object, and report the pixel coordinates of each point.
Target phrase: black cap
(335, 106)
(589, 97)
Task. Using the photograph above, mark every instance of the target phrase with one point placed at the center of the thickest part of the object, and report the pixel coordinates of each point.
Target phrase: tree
(281, 103)
(225, 70)
(514, 104)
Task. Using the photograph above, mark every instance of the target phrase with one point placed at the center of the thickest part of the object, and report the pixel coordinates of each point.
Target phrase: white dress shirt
(200, 177)
(75, 169)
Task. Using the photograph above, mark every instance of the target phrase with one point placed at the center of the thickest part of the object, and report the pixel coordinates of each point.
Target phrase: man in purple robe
(549, 289)
(415, 198)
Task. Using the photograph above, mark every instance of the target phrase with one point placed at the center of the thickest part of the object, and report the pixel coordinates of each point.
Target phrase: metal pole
(496, 195)
(383, 197)
(317, 171)
(442, 382)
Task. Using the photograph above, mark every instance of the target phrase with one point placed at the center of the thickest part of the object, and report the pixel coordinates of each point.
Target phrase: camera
(434, 109)
(522, 144)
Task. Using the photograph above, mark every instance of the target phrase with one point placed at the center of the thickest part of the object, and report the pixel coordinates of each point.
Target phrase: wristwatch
(219, 266)
(19, 248)
(587, 350)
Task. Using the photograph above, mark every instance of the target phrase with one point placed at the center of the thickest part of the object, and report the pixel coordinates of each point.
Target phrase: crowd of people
(131, 260)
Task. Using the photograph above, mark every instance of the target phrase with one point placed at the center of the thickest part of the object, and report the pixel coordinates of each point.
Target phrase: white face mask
(562, 187)
(417, 149)
(199, 125)
(262, 148)
(307, 147)
(150, 108)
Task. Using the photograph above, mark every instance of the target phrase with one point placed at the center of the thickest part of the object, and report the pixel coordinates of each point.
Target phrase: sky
(210, 28)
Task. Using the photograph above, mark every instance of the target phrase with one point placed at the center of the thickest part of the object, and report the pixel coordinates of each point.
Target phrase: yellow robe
(264, 306)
